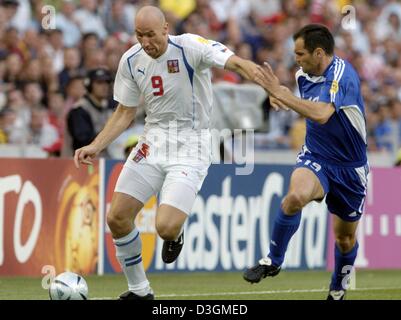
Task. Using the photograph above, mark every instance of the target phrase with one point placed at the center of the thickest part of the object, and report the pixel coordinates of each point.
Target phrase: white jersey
(176, 86)
(173, 156)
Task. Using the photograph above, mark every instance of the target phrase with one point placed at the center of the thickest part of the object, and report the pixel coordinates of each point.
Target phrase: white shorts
(176, 184)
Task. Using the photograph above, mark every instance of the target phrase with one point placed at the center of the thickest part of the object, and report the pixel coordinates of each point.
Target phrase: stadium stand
(39, 62)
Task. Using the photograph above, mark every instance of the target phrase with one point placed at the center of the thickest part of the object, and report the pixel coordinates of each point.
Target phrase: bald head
(151, 30)
(149, 15)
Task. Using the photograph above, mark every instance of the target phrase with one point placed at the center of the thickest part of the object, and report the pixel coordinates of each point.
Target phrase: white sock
(128, 252)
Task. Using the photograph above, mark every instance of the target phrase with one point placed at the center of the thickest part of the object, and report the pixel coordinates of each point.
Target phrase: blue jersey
(342, 139)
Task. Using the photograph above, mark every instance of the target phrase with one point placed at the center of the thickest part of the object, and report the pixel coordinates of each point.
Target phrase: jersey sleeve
(208, 53)
(339, 89)
(126, 90)
(299, 79)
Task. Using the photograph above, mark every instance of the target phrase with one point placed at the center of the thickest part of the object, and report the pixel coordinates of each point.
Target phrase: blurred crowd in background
(43, 72)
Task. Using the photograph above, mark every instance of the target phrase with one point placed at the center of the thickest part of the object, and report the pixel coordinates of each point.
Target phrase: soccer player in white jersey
(172, 158)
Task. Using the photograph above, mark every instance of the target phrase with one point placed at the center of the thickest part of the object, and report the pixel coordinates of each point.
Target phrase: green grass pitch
(288, 285)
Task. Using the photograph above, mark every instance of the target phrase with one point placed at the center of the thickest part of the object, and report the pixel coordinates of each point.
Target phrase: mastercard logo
(145, 222)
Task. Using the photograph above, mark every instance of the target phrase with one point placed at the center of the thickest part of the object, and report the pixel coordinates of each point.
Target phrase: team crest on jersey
(334, 87)
(143, 152)
(173, 66)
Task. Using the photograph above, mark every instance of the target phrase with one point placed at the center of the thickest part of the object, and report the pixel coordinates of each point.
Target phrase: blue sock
(284, 228)
(341, 260)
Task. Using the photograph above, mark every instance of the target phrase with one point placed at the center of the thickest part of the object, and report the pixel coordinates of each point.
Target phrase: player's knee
(118, 224)
(293, 202)
(345, 242)
(167, 230)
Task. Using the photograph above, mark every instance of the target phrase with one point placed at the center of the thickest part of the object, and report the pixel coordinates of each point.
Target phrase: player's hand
(85, 155)
(268, 80)
(277, 104)
(254, 71)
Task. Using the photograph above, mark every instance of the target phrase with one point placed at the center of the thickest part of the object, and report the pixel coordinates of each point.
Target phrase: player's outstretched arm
(316, 111)
(246, 68)
(118, 122)
(277, 104)
(250, 71)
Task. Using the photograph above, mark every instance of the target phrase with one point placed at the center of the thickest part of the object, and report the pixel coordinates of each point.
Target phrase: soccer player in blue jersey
(332, 163)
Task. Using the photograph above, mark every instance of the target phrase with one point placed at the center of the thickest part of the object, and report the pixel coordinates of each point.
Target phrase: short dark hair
(316, 36)
(88, 35)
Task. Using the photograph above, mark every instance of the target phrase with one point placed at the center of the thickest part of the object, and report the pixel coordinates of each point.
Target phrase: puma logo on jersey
(141, 71)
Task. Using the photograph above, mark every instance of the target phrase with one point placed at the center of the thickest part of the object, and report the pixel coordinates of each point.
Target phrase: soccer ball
(68, 286)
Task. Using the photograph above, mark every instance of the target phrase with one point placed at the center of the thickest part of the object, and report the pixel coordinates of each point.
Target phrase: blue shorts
(344, 187)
